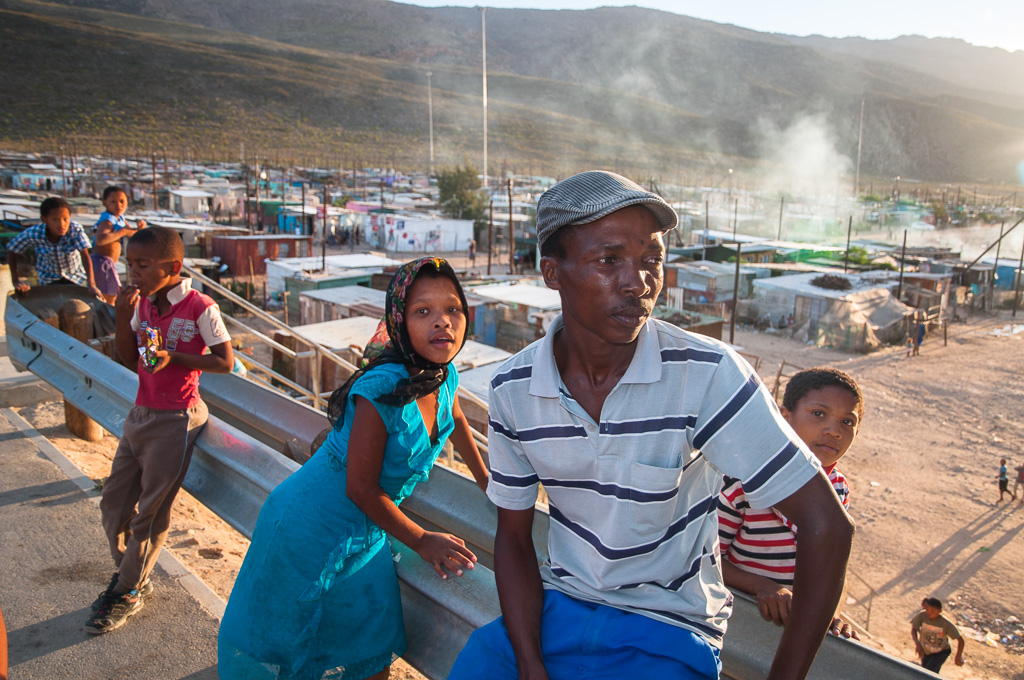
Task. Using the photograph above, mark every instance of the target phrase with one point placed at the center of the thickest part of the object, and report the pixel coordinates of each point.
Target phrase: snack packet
(150, 346)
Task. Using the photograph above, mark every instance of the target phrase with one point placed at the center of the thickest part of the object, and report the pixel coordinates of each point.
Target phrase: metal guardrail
(232, 473)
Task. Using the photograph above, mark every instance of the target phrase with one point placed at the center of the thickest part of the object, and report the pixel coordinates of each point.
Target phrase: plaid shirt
(55, 261)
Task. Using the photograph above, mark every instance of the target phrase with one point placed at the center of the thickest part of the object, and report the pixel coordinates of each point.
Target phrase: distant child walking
(110, 229)
(61, 248)
(162, 329)
(1004, 482)
(931, 632)
(824, 406)
(318, 588)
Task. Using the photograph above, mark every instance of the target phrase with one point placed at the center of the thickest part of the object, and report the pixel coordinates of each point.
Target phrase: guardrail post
(75, 319)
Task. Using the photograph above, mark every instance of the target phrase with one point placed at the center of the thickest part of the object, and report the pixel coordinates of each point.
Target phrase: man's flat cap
(591, 195)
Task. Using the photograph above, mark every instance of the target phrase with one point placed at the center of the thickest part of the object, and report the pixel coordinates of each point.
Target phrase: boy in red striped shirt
(824, 406)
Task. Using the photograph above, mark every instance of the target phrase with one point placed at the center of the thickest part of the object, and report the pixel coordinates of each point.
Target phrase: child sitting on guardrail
(162, 329)
(62, 250)
(824, 406)
(318, 588)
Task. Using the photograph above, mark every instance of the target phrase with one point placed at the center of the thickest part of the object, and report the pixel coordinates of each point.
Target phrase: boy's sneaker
(145, 589)
(113, 612)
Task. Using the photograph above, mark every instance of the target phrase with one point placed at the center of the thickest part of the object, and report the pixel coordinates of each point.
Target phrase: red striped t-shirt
(762, 541)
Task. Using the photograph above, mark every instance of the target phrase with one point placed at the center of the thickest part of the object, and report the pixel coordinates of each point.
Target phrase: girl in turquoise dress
(317, 595)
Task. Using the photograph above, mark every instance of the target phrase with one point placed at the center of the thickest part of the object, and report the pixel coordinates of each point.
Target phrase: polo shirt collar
(645, 367)
(178, 293)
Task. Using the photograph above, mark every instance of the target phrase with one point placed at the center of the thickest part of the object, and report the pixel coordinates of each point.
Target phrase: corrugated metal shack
(245, 254)
(523, 313)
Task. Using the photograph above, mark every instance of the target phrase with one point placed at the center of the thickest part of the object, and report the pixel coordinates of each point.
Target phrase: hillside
(566, 89)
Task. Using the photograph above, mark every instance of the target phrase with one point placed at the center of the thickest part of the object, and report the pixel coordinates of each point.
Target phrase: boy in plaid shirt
(62, 249)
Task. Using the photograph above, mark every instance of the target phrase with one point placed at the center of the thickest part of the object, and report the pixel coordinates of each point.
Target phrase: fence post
(778, 379)
(315, 364)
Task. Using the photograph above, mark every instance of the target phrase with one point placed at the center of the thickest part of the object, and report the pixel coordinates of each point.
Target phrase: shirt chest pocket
(653, 498)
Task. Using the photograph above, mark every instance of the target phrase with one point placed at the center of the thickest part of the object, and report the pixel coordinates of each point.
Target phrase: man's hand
(959, 660)
(21, 287)
(96, 291)
(774, 601)
(840, 628)
(919, 650)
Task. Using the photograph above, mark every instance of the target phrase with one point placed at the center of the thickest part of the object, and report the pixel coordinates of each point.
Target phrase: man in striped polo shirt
(630, 423)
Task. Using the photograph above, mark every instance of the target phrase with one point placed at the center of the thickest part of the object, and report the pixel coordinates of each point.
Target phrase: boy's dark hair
(812, 379)
(166, 242)
(113, 190)
(53, 203)
(933, 602)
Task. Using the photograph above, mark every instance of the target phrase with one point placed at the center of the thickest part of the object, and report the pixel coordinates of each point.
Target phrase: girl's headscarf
(391, 344)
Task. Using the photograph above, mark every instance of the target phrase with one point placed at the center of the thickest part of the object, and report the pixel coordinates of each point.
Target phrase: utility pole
(903, 259)
(511, 233)
(1020, 275)
(156, 199)
(735, 294)
(248, 212)
(430, 118)
(483, 33)
(846, 258)
(74, 157)
(860, 140)
(490, 234)
(782, 202)
(999, 244)
(323, 237)
(63, 174)
(707, 226)
(257, 176)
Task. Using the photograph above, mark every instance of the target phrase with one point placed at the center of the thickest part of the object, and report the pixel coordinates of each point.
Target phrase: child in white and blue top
(109, 230)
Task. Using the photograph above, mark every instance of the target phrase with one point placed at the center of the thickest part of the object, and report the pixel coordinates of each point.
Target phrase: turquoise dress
(317, 591)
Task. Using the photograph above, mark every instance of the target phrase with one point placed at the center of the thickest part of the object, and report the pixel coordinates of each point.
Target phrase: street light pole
(483, 32)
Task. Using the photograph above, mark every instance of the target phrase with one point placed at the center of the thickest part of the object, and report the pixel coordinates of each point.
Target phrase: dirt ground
(922, 472)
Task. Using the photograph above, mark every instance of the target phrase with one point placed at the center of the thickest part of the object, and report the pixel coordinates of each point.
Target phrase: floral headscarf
(391, 343)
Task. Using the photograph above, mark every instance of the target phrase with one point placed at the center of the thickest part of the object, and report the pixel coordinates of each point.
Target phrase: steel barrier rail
(440, 615)
(232, 473)
(451, 501)
(751, 641)
(265, 413)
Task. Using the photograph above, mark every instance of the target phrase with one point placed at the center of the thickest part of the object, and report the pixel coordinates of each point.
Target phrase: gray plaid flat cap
(591, 195)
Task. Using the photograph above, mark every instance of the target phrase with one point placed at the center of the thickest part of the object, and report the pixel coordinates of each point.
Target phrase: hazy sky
(991, 23)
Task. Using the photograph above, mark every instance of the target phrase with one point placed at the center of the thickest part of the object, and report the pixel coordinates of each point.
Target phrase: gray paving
(54, 561)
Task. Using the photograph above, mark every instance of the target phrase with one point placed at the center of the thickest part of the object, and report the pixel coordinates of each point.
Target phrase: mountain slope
(610, 86)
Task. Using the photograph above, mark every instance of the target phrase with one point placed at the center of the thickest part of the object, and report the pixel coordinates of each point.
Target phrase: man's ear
(176, 266)
(786, 414)
(549, 270)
